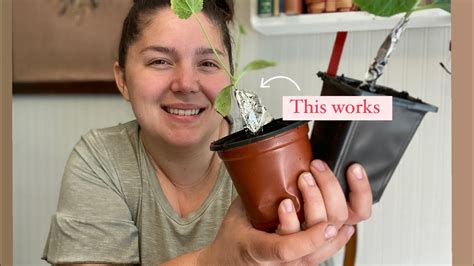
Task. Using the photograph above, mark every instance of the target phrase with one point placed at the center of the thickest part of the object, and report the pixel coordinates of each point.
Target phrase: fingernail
(309, 179)
(319, 165)
(330, 232)
(357, 171)
(350, 230)
(288, 204)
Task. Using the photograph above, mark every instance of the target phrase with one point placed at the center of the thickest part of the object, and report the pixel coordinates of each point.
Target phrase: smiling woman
(150, 191)
(165, 76)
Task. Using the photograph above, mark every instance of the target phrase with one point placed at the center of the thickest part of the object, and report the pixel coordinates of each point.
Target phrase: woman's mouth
(184, 112)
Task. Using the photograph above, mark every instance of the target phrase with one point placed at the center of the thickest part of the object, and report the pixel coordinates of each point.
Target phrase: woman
(150, 191)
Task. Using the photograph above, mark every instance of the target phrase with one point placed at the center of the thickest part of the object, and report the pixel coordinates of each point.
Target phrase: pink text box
(337, 108)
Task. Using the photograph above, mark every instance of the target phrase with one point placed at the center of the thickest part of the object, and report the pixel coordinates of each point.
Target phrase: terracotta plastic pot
(265, 168)
(377, 145)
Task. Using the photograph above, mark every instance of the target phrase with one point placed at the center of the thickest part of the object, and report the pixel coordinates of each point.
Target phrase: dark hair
(220, 12)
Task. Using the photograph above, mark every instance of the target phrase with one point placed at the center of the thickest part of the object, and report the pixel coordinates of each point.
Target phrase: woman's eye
(209, 64)
(159, 62)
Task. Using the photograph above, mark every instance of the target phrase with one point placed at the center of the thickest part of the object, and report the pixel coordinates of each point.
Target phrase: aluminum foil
(252, 111)
(388, 46)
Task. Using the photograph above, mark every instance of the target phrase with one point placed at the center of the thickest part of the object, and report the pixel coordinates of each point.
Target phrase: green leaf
(242, 29)
(258, 64)
(185, 8)
(223, 101)
(443, 4)
(386, 8)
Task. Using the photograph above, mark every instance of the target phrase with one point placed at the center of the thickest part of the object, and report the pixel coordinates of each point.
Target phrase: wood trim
(60, 88)
(6, 217)
(462, 132)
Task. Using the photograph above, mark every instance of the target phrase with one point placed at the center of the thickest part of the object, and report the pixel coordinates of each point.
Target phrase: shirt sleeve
(93, 223)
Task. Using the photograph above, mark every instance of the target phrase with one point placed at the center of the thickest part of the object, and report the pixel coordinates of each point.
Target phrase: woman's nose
(185, 80)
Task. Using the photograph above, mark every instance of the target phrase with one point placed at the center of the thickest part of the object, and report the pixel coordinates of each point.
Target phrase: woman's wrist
(204, 257)
(192, 258)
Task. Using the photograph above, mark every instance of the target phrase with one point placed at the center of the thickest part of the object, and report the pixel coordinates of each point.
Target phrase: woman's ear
(119, 74)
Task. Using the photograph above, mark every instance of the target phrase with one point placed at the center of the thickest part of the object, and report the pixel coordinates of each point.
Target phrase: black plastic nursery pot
(377, 145)
(265, 167)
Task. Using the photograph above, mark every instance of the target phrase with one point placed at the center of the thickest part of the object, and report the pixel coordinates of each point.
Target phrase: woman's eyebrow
(162, 49)
(206, 51)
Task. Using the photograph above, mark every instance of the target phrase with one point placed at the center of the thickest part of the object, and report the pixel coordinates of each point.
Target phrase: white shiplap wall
(411, 224)
(45, 128)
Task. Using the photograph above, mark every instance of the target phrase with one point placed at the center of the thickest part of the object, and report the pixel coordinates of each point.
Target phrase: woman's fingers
(289, 222)
(360, 196)
(331, 247)
(278, 248)
(314, 208)
(334, 199)
(324, 199)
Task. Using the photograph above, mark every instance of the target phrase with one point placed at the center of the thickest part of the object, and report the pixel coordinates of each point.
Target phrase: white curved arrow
(264, 83)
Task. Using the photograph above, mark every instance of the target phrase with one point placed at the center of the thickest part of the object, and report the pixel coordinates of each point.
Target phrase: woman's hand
(238, 243)
(327, 227)
(324, 202)
(324, 199)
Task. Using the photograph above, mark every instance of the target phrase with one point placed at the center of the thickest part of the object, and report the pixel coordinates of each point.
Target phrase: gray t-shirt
(112, 209)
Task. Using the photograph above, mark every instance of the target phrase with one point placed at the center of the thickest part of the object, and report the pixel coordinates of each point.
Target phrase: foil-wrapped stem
(388, 46)
(252, 111)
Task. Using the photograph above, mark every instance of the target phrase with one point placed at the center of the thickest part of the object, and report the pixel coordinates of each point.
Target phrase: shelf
(342, 21)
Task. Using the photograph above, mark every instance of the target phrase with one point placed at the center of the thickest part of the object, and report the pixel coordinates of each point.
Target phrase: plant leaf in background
(223, 101)
(185, 8)
(386, 8)
(443, 4)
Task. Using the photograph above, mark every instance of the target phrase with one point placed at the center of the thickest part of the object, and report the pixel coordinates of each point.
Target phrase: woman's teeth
(187, 112)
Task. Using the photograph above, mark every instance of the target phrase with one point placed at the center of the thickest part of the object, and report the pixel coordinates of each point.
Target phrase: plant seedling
(184, 9)
(386, 8)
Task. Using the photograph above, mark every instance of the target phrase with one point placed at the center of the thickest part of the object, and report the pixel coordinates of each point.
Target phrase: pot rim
(230, 142)
(409, 102)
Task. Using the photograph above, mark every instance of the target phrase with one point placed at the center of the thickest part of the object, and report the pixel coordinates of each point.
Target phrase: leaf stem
(212, 47)
(240, 76)
(408, 13)
(237, 56)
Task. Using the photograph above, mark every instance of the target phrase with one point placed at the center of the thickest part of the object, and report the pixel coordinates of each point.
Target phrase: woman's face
(172, 77)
